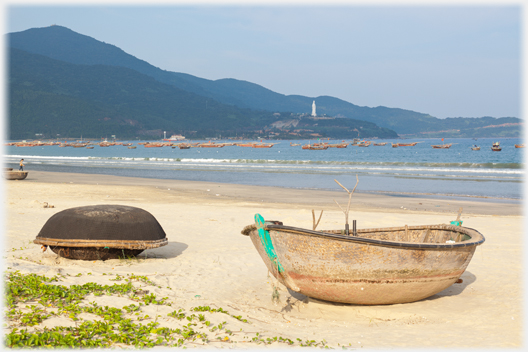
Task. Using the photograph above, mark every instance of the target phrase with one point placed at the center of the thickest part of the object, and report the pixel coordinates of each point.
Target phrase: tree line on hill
(65, 83)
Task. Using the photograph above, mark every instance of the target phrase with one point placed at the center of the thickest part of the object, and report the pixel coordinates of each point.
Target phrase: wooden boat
(294, 144)
(314, 147)
(496, 147)
(377, 266)
(90, 147)
(262, 145)
(152, 145)
(442, 146)
(476, 147)
(100, 232)
(131, 147)
(210, 145)
(10, 174)
(519, 145)
(246, 144)
(395, 145)
(337, 145)
(408, 144)
(379, 144)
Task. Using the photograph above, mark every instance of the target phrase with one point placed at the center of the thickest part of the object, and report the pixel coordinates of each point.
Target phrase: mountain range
(65, 82)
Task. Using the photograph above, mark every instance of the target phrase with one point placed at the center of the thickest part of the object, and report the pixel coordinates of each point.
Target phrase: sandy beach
(208, 262)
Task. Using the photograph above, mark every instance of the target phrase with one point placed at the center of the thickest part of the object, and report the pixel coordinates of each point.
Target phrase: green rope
(266, 242)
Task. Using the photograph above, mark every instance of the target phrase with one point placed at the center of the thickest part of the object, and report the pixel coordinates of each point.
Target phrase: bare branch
(349, 198)
(342, 186)
(459, 214)
(320, 216)
(339, 206)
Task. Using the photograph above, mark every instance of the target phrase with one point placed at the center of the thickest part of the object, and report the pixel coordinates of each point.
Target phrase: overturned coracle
(100, 232)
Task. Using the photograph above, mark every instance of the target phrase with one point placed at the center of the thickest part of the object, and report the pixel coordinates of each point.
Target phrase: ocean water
(418, 170)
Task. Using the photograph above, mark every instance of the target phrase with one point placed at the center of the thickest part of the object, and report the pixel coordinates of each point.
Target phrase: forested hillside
(228, 104)
(52, 97)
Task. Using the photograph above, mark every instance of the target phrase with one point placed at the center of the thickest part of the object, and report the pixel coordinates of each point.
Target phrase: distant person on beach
(21, 168)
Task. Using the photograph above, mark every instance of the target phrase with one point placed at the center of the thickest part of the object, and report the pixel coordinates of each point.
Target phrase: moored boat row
(210, 144)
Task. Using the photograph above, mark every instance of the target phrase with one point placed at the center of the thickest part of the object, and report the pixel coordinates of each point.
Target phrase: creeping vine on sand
(44, 297)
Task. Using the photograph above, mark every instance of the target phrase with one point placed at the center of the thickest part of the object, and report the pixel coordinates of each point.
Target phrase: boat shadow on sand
(171, 250)
(453, 290)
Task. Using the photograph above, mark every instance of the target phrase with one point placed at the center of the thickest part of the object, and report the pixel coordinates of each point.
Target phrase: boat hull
(15, 175)
(368, 270)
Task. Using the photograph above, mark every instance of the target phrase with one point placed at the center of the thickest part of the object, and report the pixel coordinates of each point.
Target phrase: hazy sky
(444, 60)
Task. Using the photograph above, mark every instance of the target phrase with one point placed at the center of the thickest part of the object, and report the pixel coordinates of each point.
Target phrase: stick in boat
(313, 216)
(459, 213)
(349, 199)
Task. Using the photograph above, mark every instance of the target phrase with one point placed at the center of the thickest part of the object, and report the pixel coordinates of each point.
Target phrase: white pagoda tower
(313, 109)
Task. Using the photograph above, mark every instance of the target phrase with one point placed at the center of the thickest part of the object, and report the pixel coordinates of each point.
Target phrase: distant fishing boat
(496, 147)
(364, 144)
(519, 145)
(379, 144)
(395, 145)
(153, 145)
(343, 144)
(408, 144)
(210, 145)
(294, 144)
(442, 146)
(475, 147)
(262, 145)
(315, 146)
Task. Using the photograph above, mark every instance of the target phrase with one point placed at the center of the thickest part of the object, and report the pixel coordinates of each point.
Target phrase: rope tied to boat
(270, 251)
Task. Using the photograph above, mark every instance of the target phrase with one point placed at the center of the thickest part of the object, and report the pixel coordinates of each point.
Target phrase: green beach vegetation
(30, 299)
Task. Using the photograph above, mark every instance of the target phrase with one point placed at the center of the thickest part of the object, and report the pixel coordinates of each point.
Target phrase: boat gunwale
(124, 244)
(411, 245)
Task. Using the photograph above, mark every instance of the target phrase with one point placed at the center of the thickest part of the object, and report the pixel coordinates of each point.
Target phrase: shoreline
(299, 197)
